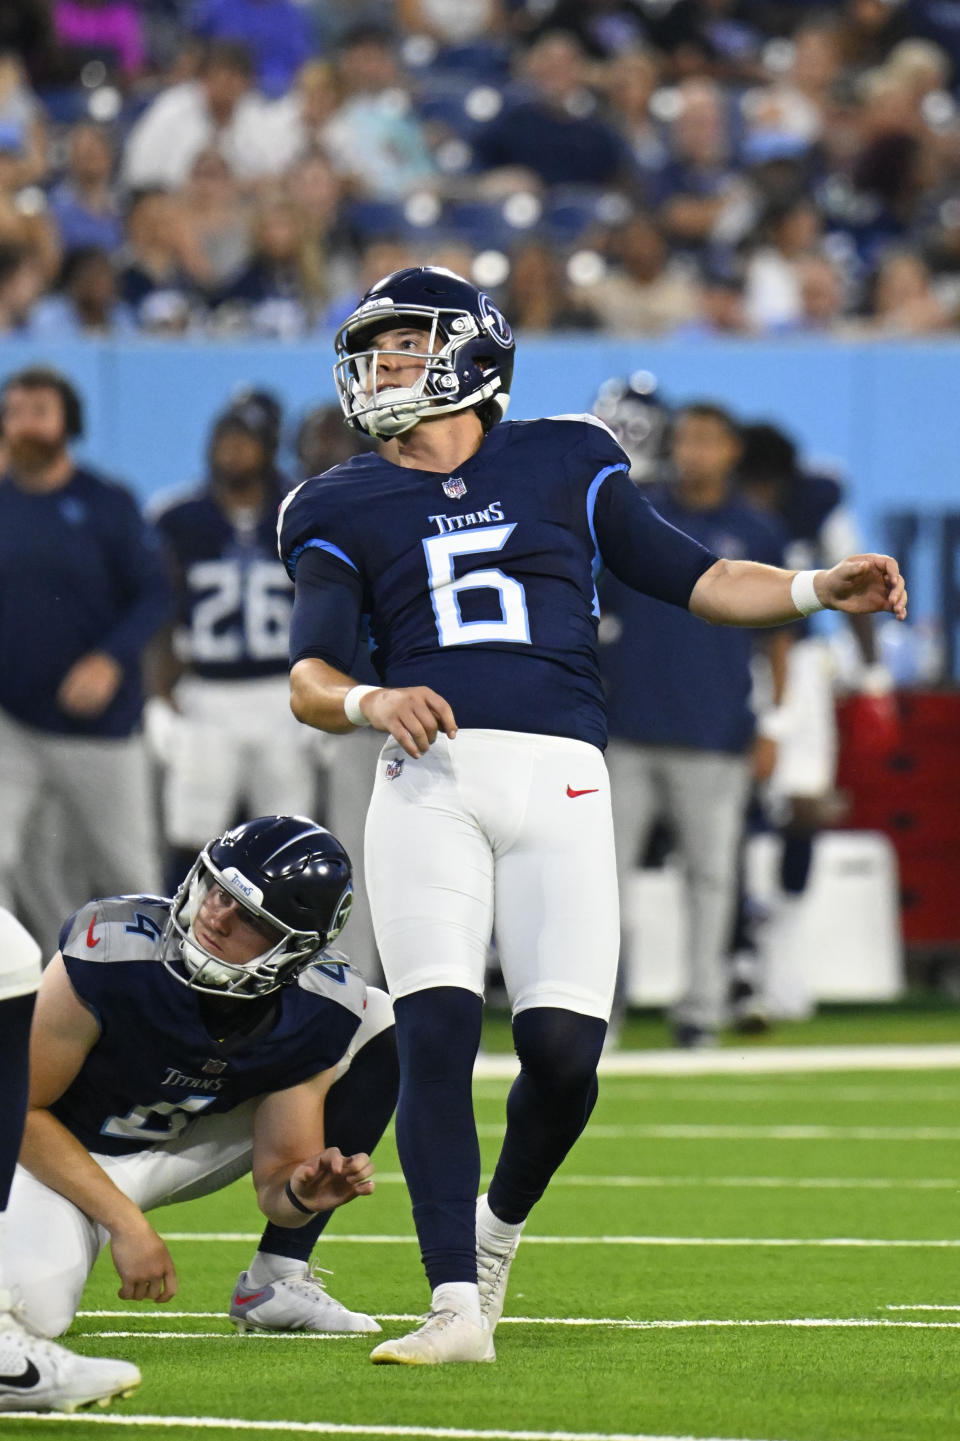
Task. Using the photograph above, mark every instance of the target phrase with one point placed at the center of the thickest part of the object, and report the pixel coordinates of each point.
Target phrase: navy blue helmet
(289, 874)
(470, 365)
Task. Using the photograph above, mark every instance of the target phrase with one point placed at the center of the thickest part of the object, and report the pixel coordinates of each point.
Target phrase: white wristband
(803, 594)
(351, 704)
(774, 724)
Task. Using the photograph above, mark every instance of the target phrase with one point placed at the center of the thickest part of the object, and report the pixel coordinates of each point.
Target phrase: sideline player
(471, 548)
(177, 1044)
(220, 716)
(36, 1374)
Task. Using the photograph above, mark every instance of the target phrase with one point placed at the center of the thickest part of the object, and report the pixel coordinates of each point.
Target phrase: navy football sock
(795, 861)
(438, 1036)
(548, 1106)
(14, 1074)
(356, 1114)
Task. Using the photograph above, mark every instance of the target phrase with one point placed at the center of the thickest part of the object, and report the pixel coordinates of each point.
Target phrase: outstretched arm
(744, 592)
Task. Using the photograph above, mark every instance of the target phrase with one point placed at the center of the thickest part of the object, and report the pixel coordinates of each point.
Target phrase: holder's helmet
(286, 871)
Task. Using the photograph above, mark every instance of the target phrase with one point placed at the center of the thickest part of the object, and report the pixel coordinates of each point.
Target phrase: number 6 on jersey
(442, 551)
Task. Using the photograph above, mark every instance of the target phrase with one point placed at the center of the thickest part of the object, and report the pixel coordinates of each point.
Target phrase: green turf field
(740, 1256)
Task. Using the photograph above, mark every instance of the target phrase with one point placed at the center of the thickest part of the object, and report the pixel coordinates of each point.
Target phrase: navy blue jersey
(670, 677)
(481, 584)
(234, 597)
(156, 1063)
(80, 571)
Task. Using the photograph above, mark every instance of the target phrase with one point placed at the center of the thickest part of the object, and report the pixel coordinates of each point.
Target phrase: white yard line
(683, 1131)
(816, 1241)
(763, 1060)
(619, 1323)
(334, 1428)
(786, 1183)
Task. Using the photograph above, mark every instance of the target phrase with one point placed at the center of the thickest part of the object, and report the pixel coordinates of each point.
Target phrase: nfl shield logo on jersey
(393, 769)
(454, 487)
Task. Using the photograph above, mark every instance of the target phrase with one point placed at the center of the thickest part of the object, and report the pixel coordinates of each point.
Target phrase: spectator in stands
(823, 294)
(555, 137)
(700, 179)
(643, 291)
(803, 102)
(275, 32)
(84, 203)
(373, 138)
(86, 302)
(110, 31)
(82, 589)
(869, 30)
(299, 118)
(282, 288)
(602, 28)
(719, 305)
(21, 283)
(22, 128)
(790, 233)
(903, 299)
(215, 221)
(629, 82)
(155, 263)
(219, 109)
(539, 295)
(449, 25)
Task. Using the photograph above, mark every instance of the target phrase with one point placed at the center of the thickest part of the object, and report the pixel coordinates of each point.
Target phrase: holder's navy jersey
(234, 596)
(156, 1064)
(481, 583)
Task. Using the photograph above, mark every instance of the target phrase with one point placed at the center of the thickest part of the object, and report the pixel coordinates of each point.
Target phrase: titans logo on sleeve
(481, 583)
(235, 597)
(160, 1060)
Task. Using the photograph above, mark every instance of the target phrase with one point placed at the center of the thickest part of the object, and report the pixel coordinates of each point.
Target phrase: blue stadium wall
(885, 415)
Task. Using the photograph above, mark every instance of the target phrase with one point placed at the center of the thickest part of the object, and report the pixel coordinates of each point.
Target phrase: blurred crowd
(686, 167)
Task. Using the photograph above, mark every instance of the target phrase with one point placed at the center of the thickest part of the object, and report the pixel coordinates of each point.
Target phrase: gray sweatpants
(703, 796)
(76, 820)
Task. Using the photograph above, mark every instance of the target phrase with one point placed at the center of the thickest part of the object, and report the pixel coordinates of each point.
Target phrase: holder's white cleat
(444, 1336)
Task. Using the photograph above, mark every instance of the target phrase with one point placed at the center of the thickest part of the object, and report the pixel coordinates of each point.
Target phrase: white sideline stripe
(800, 1183)
(855, 1241)
(334, 1428)
(764, 1060)
(684, 1132)
(622, 1323)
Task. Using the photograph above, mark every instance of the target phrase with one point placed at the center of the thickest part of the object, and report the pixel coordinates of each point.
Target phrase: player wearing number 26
(469, 550)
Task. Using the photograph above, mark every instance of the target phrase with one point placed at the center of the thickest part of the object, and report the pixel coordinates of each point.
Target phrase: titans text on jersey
(142, 1083)
(482, 584)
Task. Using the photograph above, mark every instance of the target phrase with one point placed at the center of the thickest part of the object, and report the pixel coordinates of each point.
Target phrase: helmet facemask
(194, 966)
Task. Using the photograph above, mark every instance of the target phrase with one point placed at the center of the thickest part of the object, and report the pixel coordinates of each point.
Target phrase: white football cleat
(298, 1302)
(495, 1255)
(444, 1336)
(38, 1375)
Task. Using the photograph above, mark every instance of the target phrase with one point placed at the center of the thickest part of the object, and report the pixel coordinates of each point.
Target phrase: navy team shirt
(234, 597)
(156, 1064)
(80, 571)
(481, 583)
(670, 677)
